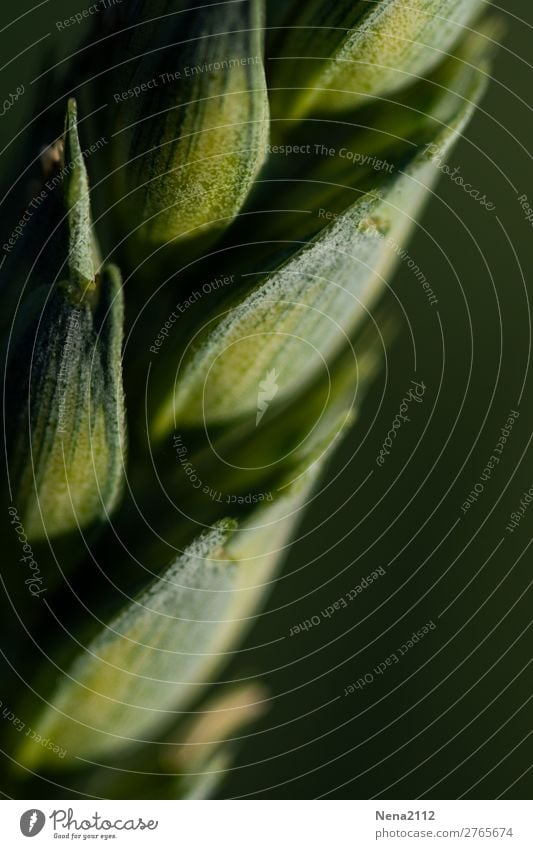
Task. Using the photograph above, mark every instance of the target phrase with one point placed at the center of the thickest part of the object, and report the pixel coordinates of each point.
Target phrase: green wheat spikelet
(233, 346)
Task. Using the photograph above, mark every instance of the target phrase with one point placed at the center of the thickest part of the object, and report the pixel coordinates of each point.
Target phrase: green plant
(255, 209)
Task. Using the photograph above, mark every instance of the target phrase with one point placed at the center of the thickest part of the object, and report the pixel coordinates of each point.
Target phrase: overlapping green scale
(66, 427)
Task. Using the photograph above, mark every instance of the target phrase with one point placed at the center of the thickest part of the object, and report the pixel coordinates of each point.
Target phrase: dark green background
(455, 716)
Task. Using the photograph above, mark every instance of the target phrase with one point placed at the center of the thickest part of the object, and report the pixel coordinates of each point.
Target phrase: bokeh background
(454, 718)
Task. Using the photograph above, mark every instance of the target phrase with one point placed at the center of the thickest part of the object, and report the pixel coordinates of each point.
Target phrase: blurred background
(452, 719)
